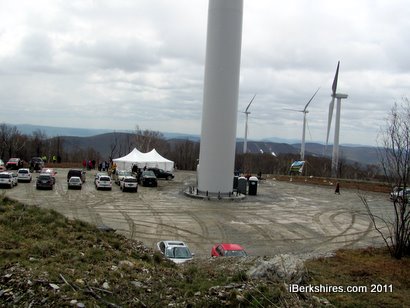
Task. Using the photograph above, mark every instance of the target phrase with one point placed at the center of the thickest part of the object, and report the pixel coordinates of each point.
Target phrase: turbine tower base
(194, 192)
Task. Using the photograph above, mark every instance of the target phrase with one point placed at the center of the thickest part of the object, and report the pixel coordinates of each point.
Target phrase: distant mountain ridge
(102, 143)
(101, 139)
(52, 131)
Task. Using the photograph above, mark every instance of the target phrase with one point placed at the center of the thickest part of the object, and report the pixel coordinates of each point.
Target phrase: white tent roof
(130, 157)
(149, 160)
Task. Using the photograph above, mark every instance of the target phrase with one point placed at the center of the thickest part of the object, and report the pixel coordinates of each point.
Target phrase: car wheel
(169, 177)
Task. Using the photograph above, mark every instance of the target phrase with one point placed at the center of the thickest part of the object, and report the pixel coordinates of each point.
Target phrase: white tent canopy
(150, 160)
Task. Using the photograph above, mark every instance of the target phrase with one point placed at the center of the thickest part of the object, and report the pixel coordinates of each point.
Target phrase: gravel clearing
(283, 218)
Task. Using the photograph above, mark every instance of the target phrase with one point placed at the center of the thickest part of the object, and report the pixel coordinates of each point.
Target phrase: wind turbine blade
(246, 110)
(334, 85)
(310, 100)
(329, 119)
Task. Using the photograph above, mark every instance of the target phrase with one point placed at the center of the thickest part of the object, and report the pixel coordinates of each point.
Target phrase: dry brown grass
(374, 268)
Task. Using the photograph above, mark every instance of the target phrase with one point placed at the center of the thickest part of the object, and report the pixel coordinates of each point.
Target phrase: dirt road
(283, 217)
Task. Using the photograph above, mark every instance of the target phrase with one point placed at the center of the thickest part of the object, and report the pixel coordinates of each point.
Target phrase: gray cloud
(121, 64)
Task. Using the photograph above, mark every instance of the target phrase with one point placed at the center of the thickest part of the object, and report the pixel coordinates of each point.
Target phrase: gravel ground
(284, 217)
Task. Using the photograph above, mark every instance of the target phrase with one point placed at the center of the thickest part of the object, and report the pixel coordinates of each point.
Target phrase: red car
(51, 172)
(14, 164)
(228, 250)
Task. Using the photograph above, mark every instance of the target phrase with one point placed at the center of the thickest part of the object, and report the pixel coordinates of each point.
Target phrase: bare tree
(185, 154)
(146, 140)
(12, 142)
(395, 160)
(113, 147)
(39, 142)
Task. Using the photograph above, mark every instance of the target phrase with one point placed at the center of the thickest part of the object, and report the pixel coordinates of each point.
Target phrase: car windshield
(44, 177)
(75, 180)
(178, 252)
(4, 175)
(23, 171)
(235, 253)
(13, 160)
(148, 173)
(104, 178)
(130, 180)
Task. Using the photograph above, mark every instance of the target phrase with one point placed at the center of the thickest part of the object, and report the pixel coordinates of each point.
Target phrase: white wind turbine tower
(305, 111)
(339, 97)
(245, 140)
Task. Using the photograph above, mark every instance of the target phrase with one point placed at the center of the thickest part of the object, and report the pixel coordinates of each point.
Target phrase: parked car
(8, 179)
(75, 182)
(120, 174)
(129, 183)
(98, 175)
(14, 164)
(36, 164)
(24, 175)
(175, 251)
(50, 171)
(76, 172)
(399, 194)
(148, 178)
(161, 174)
(45, 180)
(228, 250)
(1, 163)
(103, 182)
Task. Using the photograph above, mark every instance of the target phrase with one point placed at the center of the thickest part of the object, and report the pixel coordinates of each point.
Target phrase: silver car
(8, 179)
(120, 174)
(75, 182)
(176, 251)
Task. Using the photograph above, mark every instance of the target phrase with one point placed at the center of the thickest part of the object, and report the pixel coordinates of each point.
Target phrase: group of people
(102, 166)
(137, 171)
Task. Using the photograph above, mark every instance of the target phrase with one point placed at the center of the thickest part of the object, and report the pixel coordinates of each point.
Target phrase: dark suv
(45, 180)
(161, 174)
(36, 164)
(76, 172)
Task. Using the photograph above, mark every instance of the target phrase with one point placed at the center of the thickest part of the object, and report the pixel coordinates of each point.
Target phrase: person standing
(337, 189)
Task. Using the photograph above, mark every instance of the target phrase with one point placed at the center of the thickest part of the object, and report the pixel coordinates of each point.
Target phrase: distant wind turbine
(305, 111)
(246, 112)
(339, 97)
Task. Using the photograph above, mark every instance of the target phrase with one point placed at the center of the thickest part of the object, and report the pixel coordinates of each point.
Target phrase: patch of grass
(385, 281)
(239, 276)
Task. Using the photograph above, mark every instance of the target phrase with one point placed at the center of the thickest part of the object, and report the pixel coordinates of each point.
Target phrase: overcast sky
(118, 64)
